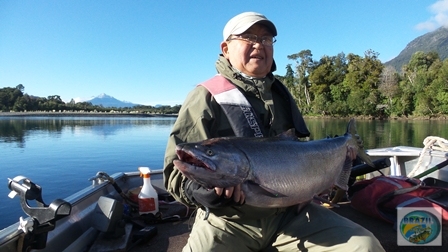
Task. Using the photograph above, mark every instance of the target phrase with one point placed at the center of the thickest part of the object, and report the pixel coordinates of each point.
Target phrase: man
(245, 99)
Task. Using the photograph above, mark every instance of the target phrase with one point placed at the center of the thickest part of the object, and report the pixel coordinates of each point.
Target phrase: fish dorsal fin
(262, 190)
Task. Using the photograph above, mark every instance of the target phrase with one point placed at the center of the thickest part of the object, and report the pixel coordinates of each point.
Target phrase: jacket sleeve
(193, 124)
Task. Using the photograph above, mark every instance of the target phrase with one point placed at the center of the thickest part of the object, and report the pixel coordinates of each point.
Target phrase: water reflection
(16, 129)
(375, 133)
(61, 153)
(380, 133)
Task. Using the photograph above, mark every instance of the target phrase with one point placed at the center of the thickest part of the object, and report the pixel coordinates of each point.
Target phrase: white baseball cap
(241, 22)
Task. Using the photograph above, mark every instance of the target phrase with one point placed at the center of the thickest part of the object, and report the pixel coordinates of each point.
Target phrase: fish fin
(351, 130)
(366, 158)
(259, 189)
(338, 196)
(344, 176)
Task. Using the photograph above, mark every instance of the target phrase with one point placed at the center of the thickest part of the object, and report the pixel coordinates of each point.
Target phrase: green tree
(304, 65)
(291, 83)
(20, 87)
(363, 79)
(327, 74)
(55, 103)
(417, 76)
(389, 89)
(8, 97)
(439, 90)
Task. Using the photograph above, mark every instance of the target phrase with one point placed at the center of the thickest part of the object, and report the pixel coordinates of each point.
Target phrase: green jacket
(200, 118)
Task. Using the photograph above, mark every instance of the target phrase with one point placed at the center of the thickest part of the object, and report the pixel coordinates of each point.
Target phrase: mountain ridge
(106, 101)
(434, 41)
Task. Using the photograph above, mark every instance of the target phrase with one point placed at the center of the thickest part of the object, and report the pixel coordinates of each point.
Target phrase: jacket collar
(246, 83)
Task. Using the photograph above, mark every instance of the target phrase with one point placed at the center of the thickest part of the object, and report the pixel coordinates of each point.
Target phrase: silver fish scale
(296, 172)
(274, 171)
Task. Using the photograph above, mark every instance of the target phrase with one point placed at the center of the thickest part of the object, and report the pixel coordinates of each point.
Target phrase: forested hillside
(340, 85)
(353, 85)
(435, 41)
(15, 100)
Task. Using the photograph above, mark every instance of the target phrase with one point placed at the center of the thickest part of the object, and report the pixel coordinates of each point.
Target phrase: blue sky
(155, 52)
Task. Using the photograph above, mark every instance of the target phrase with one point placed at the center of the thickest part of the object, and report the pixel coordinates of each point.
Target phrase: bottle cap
(146, 175)
(144, 172)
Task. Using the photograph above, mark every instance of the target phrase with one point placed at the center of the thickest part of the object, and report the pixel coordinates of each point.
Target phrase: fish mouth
(193, 160)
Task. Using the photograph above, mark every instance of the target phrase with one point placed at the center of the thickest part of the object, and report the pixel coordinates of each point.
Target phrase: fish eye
(209, 152)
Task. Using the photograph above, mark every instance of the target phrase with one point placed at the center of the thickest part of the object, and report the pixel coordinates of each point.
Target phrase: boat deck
(173, 236)
(384, 231)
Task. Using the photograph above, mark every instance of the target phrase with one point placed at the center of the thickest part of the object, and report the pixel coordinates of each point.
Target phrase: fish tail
(351, 131)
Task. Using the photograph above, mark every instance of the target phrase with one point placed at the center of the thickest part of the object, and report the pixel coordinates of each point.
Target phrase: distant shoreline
(88, 114)
(135, 114)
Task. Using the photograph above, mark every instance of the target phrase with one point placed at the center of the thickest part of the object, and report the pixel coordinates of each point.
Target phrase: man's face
(252, 59)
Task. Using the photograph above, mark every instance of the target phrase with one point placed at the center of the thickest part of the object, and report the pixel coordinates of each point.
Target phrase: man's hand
(214, 198)
(235, 192)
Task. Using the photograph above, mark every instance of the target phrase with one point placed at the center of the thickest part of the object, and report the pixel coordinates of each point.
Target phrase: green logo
(420, 227)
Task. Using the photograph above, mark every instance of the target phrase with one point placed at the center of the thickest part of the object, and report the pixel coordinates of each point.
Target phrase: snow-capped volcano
(106, 101)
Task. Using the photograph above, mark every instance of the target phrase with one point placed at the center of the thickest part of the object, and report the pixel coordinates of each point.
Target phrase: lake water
(62, 153)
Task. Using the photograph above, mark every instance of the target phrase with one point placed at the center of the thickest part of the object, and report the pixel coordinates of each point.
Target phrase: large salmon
(273, 171)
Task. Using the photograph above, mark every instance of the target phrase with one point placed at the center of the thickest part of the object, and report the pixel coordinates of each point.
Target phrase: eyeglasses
(253, 39)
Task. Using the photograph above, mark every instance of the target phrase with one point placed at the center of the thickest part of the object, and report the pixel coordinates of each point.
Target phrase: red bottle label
(146, 205)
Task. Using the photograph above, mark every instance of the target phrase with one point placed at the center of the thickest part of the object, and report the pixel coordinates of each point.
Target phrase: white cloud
(439, 17)
(439, 6)
(81, 99)
(428, 25)
(78, 99)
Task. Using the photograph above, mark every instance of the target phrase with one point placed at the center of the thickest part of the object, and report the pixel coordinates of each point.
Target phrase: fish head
(212, 163)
